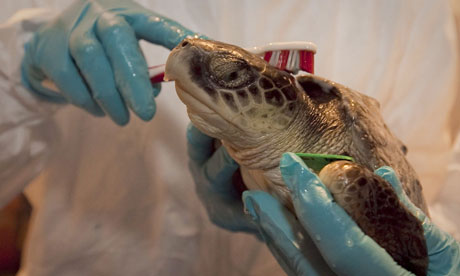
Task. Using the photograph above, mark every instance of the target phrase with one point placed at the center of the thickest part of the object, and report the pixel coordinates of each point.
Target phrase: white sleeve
(27, 130)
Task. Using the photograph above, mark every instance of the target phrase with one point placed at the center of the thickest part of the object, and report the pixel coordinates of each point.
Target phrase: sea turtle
(259, 112)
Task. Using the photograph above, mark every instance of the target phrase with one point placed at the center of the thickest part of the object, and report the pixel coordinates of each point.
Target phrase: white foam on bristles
(294, 61)
(288, 63)
(274, 59)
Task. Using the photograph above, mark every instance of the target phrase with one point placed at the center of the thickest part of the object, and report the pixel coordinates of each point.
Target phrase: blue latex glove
(212, 172)
(91, 53)
(346, 250)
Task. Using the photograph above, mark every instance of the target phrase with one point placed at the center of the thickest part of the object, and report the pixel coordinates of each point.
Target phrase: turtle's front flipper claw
(374, 206)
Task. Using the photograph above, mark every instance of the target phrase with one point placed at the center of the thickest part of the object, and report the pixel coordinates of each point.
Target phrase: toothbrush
(289, 56)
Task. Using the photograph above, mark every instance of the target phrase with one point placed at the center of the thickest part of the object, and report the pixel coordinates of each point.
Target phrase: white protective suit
(112, 200)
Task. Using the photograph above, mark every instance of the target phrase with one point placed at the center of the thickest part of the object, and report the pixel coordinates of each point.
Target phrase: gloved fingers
(289, 243)
(128, 64)
(159, 30)
(70, 83)
(217, 167)
(199, 145)
(72, 86)
(218, 170)
(90, 58)
(213, 173)
(62, 71)
(443, 251)
(33, 79)
(342, 243)
(156, 89)
(58, 68)
(227, 212)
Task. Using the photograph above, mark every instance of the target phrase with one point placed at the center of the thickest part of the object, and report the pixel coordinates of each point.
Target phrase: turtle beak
(177, 61)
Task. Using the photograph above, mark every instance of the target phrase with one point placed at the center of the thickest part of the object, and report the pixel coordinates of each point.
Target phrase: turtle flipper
(375, 207)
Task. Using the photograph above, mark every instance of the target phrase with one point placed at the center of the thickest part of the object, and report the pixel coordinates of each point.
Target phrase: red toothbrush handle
(157, 73)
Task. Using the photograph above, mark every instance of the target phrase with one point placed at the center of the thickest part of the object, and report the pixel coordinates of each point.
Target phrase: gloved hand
(212, 172)
(345, 249)
(91, 53)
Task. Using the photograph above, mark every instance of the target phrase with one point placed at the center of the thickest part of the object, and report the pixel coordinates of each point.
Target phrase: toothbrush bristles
(288, 60)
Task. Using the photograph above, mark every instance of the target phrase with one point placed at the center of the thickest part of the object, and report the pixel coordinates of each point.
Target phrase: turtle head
(230, 93)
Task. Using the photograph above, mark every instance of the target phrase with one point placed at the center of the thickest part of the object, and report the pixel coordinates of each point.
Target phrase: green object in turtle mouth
(316, 161)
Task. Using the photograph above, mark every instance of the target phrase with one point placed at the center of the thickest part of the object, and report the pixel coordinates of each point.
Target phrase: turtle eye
(232, 76)
(231, 72)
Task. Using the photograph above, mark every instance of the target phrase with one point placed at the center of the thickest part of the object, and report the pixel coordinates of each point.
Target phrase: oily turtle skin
(259, 112)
